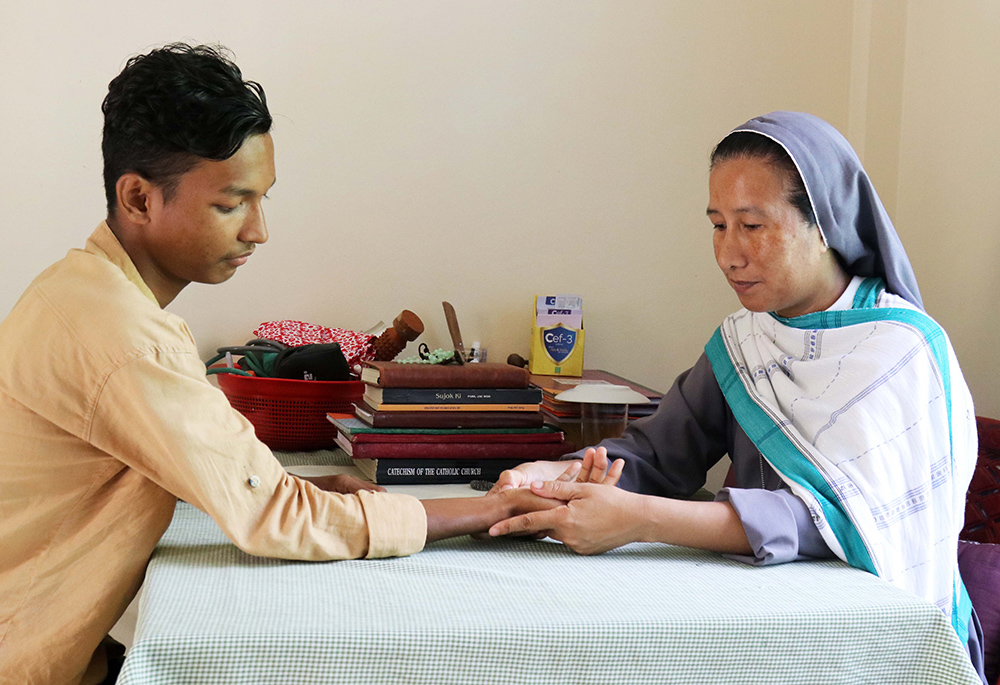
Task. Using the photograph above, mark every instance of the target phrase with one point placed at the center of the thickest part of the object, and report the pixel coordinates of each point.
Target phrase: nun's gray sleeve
(670, 452)
(778, 525)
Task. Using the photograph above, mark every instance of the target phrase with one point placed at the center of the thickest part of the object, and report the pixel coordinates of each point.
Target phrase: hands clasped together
(577, 503)
(594, 515)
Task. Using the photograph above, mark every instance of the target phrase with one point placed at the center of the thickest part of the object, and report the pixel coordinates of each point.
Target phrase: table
(523, 611)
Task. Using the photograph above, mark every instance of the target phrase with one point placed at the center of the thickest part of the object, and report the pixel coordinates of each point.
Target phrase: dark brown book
(481, 375)
(449, 419)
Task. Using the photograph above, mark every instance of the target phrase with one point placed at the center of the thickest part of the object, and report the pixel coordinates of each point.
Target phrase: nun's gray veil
(850, 215)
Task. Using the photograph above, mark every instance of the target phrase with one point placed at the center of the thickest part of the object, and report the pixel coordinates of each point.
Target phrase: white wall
(475, 152)
(485, 152)
(949, 179)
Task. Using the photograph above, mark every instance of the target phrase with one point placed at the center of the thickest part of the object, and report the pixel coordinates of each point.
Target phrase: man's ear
(135, 198)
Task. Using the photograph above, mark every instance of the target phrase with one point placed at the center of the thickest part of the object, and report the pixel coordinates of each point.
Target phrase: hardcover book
(453, 407)
(352, 426)
(480, 375)
(427, 471)
(375, 395)
(349, 429)
(449, 419)
(454, 450)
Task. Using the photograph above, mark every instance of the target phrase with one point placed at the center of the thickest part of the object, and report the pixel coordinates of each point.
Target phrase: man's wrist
(501, 509)
(463, 516)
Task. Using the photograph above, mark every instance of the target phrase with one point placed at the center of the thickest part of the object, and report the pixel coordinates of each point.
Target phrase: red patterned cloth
(357, 347)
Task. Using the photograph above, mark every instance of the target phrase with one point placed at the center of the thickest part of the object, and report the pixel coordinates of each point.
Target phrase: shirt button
(254, 481)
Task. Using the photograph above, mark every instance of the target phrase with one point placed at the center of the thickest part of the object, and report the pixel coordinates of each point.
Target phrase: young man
(106, 416)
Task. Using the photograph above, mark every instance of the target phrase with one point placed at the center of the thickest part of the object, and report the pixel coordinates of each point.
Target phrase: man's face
(214, 219)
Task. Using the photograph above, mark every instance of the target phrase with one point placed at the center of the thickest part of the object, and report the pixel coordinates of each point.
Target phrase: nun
(838, 399)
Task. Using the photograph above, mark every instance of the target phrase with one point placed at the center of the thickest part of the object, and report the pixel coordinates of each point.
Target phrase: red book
(481, 375)
(452, 450)
(477, 438)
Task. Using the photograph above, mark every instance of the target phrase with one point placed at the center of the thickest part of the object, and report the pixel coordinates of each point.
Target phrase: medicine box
(557, 336)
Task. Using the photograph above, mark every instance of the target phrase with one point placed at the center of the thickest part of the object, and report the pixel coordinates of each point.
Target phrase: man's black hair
(169, 109)
(752, 145)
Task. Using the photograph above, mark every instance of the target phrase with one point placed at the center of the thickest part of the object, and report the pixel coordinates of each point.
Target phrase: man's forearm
(448, 518)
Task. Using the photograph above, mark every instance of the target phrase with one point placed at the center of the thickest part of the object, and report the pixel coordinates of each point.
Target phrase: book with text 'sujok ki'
(477, 397)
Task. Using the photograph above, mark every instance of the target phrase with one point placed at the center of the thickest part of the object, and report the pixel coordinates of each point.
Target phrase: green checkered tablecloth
(524, 611)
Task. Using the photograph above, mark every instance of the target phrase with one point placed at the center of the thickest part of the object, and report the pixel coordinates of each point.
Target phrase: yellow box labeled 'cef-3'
(557, 336)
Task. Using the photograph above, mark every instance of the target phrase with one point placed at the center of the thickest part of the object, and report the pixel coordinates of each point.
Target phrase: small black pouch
(319, 362)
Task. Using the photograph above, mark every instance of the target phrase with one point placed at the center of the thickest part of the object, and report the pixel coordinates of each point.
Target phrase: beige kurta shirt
(106, 418)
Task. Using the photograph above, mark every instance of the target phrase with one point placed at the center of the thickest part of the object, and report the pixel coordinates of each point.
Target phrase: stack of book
(422, 423)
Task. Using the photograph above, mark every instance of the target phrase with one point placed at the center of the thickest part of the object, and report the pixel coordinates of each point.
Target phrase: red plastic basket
(291, 414)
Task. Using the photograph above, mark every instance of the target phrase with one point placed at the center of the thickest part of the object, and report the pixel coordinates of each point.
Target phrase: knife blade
(456, 334)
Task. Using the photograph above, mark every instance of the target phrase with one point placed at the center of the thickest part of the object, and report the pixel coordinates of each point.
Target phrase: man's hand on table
(474, 515)
(343, 484)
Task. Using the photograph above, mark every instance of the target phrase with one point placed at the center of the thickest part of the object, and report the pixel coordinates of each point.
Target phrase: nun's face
(774, 260)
